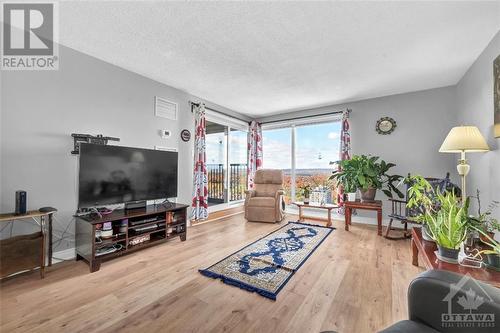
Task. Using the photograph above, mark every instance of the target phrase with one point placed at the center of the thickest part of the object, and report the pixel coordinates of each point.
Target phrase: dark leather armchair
(442, 301)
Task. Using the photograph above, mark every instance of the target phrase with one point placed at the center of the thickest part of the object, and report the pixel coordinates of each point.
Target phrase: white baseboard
(68, 254)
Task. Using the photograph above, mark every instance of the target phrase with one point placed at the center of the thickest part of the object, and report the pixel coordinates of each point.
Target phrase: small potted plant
(448, 224)
(485, 221)
(367, 174)
(351, 192)
(492, 254)
(348, 181)
(306, 191)
(419, 197)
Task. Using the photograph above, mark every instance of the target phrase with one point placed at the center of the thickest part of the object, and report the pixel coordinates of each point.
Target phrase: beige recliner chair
(266, 203)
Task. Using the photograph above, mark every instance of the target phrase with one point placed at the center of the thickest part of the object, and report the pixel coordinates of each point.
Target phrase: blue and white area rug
(266, 265)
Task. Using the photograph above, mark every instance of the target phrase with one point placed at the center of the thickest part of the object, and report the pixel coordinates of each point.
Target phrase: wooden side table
(328, 207)
(360, 205)
(44, 220)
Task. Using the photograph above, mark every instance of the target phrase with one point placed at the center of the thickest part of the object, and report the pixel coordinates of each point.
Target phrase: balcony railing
(237, 182)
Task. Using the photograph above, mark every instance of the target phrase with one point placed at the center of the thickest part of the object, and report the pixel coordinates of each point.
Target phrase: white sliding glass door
(226, 152)
(216, 153)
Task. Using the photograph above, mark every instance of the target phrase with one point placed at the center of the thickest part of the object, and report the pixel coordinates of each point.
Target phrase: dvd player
(146, 228)
(152, 219)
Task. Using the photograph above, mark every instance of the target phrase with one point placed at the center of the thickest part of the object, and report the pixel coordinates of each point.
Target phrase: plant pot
(306, 201)
(368, 195)
(486, 240)
(351, 196)
(426, 235)
(448, 253)
(493, 261)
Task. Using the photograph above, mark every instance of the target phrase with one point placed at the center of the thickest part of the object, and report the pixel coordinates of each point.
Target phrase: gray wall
(40, 109)
(423, 120)
(475, 107)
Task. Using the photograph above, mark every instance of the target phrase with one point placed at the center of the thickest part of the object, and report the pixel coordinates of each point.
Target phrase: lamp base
(463, 170)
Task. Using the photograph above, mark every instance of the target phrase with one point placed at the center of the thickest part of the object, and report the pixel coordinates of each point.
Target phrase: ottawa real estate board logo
(466, 311)
(29, 36)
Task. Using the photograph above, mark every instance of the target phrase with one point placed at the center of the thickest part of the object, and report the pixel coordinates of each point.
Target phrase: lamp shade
(464, 139)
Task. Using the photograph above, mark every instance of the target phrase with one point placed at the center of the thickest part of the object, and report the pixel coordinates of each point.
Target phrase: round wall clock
(385, 125)
(185, 135)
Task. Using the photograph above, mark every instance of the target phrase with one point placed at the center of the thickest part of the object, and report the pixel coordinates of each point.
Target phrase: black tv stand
(132, 230)
(141, 204)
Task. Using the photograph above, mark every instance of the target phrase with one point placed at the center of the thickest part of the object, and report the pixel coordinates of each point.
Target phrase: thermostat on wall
(165, 133)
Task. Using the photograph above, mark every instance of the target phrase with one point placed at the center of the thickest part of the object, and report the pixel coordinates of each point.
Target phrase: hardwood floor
(215, 216)
(356, 281)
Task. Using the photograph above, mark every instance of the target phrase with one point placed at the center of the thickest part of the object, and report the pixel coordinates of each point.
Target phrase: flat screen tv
(114, 174)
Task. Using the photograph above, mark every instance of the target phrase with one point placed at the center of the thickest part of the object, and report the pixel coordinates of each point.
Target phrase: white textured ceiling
(262, 58)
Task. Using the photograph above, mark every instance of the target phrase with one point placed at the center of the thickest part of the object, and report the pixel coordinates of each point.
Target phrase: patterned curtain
(200, 175)
(254, 151)
(345, 153)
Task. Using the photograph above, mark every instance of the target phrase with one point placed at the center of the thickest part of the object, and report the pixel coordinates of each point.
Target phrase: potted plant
(347, 180)
(448, 224)
(492, 254)
(419, 190)
(306, 191)
(367, 174)
(443, 215)
(351, 192)
(485, 221)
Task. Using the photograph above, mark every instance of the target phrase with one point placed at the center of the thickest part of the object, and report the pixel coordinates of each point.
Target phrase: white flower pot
(351, 196)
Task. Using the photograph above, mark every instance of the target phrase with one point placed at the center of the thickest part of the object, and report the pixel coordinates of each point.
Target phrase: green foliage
(365, 172)
(493, 244)
(445, 215)
(448, 223)
(417, 192)
(305, 191)
(484, 220)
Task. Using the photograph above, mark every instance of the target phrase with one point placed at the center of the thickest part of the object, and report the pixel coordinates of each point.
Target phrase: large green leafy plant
(367, 172)
(448, 226)
(444, 213)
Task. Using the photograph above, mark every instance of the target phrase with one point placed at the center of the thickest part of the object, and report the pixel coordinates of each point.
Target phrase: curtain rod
(310, 116)
(223, 113)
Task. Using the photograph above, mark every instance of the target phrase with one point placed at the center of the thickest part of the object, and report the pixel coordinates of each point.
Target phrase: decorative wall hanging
(385, 125)
(496, 94)
(87, 138)
(185, 135)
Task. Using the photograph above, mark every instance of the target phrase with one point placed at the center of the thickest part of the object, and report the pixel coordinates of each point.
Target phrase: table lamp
(462, 139)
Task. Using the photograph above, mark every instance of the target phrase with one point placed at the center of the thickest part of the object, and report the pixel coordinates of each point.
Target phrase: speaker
(21, 202)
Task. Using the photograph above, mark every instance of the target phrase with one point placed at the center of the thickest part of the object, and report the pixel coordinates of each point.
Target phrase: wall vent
(165, 109)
